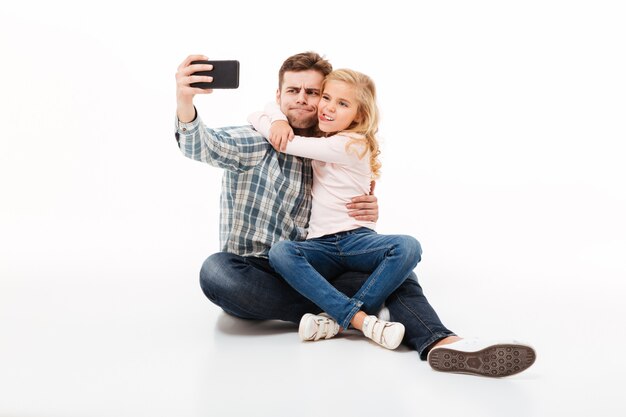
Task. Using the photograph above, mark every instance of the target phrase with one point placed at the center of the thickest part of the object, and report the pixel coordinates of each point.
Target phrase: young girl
(344, 164)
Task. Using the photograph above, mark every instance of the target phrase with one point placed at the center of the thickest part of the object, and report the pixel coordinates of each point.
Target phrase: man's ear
(278, 96)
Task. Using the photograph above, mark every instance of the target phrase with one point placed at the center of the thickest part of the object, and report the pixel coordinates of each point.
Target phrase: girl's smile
(338, 107)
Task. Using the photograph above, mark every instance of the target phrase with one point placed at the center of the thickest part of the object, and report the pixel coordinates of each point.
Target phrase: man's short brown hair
(303, 62)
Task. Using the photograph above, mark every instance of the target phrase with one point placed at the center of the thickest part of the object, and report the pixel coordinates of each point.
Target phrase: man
(266, 198)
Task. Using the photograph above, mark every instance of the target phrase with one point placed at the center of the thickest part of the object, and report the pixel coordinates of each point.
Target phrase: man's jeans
(248, 288)
(389, 259)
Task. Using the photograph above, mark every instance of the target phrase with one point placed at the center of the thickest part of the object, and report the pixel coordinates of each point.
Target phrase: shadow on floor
(233, 326)
(230, 325)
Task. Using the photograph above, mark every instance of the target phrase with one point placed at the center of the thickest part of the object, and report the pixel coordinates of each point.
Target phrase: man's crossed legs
(248, 288)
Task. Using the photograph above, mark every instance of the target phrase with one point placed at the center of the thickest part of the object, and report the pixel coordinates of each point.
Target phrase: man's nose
(302, 97)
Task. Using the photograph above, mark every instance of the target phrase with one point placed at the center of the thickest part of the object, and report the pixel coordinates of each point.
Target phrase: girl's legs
(294, 262)
(391, 258)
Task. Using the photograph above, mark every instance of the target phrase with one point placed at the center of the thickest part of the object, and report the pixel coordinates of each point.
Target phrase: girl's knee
(410, 246)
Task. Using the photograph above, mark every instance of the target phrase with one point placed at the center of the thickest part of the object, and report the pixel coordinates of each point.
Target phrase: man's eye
(314, 93)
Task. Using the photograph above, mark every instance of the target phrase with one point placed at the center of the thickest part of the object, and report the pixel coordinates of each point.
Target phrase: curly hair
(366, 122)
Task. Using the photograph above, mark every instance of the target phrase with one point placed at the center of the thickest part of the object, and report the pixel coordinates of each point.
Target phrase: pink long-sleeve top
(338, 174)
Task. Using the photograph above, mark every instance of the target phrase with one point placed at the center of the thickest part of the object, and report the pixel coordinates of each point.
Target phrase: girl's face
(338, 107)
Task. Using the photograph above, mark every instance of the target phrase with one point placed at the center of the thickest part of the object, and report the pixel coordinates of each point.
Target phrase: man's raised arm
(233, 148)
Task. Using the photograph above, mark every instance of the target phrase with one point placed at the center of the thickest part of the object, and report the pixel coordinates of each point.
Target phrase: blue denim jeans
(389, 259)
(249, 288)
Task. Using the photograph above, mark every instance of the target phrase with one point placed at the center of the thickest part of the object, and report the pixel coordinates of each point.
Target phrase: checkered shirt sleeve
(265, 194)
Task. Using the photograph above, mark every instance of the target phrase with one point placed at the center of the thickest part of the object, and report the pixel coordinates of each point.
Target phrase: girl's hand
(280, 134)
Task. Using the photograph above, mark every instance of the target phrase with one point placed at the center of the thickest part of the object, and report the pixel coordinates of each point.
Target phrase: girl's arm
(261, 122)
(278, 134)
(329, 149)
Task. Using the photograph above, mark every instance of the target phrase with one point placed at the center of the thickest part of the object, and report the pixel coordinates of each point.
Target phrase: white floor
(145, 342)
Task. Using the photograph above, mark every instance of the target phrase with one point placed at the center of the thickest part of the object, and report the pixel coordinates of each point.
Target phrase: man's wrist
(185, 127)
(186, 112)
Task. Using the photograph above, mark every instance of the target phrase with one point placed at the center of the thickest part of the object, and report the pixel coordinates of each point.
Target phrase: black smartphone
(225, 74)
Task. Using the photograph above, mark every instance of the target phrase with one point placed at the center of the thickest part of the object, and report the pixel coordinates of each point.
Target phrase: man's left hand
(364, 207)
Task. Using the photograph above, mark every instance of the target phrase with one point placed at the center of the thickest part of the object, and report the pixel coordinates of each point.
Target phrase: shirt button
(184, 129)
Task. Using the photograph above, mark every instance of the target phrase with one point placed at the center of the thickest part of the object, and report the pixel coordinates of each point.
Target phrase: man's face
(298, 97)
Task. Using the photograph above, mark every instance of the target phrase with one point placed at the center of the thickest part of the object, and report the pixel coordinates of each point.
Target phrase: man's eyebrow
(287, 87)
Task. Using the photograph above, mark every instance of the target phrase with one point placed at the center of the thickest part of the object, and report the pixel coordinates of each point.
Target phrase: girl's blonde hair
(366, 120)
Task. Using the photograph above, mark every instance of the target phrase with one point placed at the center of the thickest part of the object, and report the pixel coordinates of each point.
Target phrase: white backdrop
(502, 131)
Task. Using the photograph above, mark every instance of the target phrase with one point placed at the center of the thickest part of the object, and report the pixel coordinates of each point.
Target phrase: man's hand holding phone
(184, 91)
(198, 75)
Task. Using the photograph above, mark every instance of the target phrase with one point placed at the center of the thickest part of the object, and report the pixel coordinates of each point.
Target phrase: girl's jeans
(388, 259)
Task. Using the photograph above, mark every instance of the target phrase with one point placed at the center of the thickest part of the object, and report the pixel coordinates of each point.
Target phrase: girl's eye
(343, 103)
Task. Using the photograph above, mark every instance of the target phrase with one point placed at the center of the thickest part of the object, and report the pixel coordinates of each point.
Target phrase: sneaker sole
(494, 361)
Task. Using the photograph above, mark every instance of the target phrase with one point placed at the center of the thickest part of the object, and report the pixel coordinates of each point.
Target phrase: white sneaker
(385, 333)
(479, 357)
(315, 327)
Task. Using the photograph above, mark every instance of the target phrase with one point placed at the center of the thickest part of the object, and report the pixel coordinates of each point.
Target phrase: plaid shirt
(266, 195)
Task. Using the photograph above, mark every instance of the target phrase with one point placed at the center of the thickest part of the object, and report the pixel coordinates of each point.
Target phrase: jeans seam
(414, 314)
(372, 282)
(433, 336)
(364, 251)
(229, 303)
(313, 249)
(357, 306)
